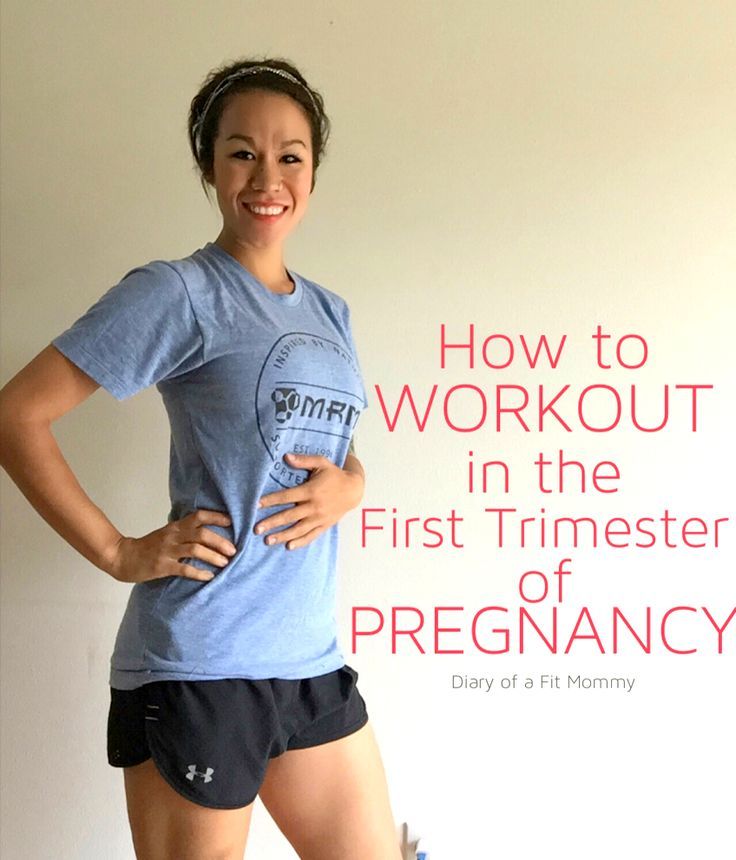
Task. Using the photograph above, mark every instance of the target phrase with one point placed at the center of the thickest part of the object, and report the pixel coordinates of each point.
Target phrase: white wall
(527, 167)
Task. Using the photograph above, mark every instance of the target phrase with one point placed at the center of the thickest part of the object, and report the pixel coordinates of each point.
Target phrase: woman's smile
(266, 214)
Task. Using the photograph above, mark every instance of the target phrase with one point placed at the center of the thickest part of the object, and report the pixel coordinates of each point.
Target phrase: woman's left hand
(324, 498)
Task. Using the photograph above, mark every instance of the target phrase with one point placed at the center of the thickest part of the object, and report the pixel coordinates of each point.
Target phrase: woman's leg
(165, 825)
(331, 801)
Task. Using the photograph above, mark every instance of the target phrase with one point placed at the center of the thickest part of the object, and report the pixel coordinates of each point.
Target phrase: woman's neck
(266, 265)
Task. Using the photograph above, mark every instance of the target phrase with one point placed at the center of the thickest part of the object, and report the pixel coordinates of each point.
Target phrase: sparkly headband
(241, 73)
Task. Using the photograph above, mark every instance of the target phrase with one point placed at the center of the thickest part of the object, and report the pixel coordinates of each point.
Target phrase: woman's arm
(44, 390)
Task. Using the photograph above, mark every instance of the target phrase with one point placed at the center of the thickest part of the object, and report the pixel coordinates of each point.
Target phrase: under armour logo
(206, 776)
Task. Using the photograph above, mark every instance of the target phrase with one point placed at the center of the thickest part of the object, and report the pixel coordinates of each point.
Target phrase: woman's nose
(267, 175)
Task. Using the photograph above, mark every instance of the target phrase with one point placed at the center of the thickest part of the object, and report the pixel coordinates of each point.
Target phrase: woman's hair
(313, 107)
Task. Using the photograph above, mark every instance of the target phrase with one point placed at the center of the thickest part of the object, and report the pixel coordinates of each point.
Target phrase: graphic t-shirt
(246, 376)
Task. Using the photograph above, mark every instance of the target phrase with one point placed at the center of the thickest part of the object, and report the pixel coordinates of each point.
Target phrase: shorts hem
(178, 788)
(129, 764)
(345, 731)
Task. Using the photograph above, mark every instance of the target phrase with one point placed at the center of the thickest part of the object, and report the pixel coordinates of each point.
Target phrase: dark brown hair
(264, 80)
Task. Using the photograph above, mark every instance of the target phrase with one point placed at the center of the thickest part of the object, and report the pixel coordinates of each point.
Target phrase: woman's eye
(245, 152)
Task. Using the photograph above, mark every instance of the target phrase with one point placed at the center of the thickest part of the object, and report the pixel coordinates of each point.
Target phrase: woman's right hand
(158, 553)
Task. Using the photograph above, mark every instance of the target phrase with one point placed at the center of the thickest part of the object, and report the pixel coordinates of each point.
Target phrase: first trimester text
(382, 527)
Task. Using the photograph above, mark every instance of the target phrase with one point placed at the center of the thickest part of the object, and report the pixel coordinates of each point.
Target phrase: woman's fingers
(190, 572)
(305, 538)
(214, 541)
(193, 549)
(286, 496)
(297, 531)
(283, 518)
(202, 543)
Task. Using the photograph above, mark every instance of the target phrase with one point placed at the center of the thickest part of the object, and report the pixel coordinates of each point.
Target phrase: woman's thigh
(165, 825)
(331, 801)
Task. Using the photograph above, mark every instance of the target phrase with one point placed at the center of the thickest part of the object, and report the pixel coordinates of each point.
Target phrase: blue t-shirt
(246, 375)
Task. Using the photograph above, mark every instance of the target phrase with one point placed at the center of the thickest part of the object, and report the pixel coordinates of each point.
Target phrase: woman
(227, 680)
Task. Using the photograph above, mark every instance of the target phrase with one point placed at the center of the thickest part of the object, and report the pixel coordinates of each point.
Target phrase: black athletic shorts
(212, 740)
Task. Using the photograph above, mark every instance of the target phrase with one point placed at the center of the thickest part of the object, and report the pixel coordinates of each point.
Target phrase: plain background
(526, 167)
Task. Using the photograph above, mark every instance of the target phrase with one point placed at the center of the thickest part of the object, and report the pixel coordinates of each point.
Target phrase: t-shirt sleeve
(351, 344)
(141, 331)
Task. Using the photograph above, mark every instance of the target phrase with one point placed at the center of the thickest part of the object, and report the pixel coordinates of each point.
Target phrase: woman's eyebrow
(250, 140)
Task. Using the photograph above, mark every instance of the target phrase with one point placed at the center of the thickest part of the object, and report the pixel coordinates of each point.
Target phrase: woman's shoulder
(163, 269)
(187, 274)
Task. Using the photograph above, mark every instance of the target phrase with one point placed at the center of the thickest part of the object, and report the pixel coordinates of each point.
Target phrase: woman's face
(263, 152)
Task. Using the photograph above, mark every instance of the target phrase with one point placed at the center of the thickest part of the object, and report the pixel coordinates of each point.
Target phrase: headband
(241, 73)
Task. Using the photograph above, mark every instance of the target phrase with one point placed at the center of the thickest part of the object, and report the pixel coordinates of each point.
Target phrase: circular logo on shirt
(308, 400)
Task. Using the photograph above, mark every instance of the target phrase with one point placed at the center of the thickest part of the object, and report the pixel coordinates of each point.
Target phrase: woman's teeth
(267, 210)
